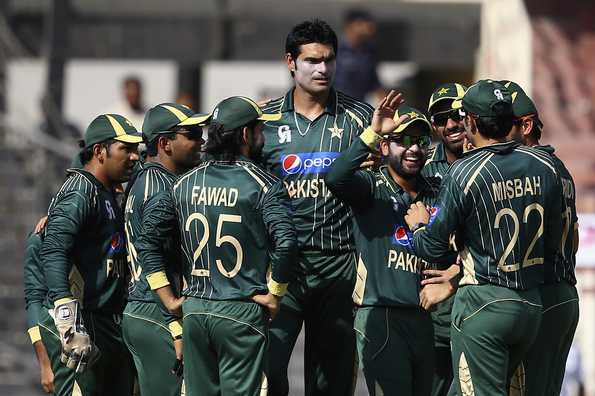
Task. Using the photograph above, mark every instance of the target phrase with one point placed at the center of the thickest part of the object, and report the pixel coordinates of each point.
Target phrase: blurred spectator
(186, 99)
(356, 58)
(574, 383)
(131, 106)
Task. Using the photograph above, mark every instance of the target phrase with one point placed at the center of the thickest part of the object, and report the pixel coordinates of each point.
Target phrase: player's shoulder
(258, 175)
(358, 110)
(537, 158)
(80, 181)
(186, 177)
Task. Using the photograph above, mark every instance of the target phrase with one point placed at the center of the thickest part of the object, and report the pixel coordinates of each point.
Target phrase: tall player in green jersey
(173, 136)
(447, 124)
(84, 257)
(389, 274)
(234, 224)
(317, 124)
(502, 198)
(546, 362)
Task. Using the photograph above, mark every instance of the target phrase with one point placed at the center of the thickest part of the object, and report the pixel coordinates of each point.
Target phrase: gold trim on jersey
(517, 382)
(157, 280)
(469, 277)
(34, 334)
(360, 282)
(476, 173)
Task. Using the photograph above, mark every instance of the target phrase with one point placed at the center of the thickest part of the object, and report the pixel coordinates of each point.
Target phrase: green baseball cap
(522, 105)
(161, 118)
(450, 91)
(414, 116)
(237, 111)
(111, 126)
(486, 98)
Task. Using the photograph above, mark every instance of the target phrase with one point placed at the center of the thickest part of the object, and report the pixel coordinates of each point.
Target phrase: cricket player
(173, 136)
(317, 124)
(388, 285)
(235, 224)
(447, 124)
(84, 259)
(503, 198)
(545, 364)
(35, 296)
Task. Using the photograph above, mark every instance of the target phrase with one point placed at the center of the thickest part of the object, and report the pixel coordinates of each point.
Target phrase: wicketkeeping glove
(78, 350)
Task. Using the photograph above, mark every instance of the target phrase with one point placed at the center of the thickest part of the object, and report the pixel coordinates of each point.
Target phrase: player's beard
(255, 149)
(397, 165)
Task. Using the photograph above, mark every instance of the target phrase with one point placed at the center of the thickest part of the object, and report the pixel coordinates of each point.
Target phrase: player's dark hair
(356, 14)
(225, 145)
(132, 80)
(307, 32)
(87, 153)
(494, 127)
(152, 149)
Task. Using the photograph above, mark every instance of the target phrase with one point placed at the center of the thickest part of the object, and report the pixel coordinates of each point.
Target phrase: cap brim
(197, 119)
(129, 138)
(270, 117)
(440, 99)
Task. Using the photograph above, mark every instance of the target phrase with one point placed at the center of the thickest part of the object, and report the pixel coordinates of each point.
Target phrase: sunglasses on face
(192, 135)
(442, 118)
(408, 141)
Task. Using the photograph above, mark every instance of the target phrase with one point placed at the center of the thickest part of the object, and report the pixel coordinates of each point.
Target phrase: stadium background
(62, 62)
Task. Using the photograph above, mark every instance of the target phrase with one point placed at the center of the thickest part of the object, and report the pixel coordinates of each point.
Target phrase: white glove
(78, 350)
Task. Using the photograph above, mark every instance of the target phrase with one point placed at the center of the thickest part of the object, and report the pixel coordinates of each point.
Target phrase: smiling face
(407, 153)
(314, 68)
(448, 126)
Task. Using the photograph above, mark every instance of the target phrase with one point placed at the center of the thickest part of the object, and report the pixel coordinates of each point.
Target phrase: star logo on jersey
(442, 91)
(336, 132)
(412, 114)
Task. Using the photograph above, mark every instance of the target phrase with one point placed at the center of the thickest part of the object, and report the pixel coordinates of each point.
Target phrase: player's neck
(450, 156)
(408, 184)
(309, 105)
(166, 162)
(95, 168)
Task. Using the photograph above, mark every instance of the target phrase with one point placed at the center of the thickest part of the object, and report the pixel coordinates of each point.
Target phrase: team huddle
(443, 270)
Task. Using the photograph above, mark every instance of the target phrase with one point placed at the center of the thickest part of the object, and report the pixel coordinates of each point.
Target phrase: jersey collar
(331, 104)
(497, 148)
(438, 154)
(425, 186)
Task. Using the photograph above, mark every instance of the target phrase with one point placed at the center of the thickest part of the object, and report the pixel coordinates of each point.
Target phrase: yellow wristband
(157, 280)
(34, 334)
(370, 138)
(64, 300)
(278, 289)
(175, 328)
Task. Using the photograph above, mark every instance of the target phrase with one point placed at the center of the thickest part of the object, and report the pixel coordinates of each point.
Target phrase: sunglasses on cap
(408, 141)
(442, 117)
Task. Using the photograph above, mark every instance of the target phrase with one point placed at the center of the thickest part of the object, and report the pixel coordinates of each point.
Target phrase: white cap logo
(498, 94)
(215, 113)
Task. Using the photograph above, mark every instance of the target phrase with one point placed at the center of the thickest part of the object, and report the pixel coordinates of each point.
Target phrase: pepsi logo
(292, 164)
(402, 236)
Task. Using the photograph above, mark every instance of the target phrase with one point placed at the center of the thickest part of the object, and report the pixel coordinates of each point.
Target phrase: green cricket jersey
(300, 152)
(564, 269)
(83, 252)
(35, 288)
(436, 165)
(388, 271)
(503, 199)
(234, 223)
(143, 198)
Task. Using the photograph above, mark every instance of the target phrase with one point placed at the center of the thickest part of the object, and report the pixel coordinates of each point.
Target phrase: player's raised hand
(383, 119)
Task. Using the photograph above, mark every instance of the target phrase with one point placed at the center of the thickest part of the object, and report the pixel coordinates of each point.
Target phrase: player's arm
(276, 216)
(35, 293)
(345, 179)
(65, 221)
(159, 222)
(432, 242)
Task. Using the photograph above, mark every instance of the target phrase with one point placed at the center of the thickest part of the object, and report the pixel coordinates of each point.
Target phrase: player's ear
(98, 151)
(245, 133)
(384, 147)
(164, 144)
(527, 126)
(290, 62)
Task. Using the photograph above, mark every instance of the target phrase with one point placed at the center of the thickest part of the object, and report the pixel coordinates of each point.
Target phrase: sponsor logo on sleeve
(434, 210)
(402, 236)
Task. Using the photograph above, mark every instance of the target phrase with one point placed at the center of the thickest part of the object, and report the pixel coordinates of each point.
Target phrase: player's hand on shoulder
(417, 214)
(40, 226)
(373, 161)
